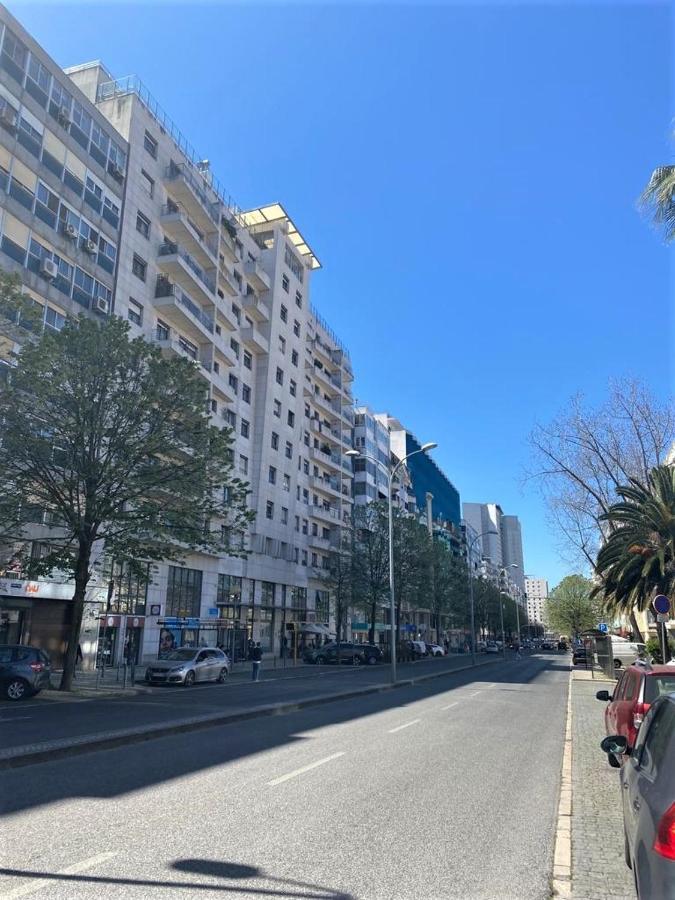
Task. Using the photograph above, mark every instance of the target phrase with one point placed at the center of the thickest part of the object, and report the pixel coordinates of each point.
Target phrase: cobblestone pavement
(598, 868)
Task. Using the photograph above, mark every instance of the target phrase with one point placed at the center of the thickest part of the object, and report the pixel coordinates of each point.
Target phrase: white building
(536, 590)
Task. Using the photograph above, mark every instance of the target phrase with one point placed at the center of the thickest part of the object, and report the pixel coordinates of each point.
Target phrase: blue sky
(466, 173)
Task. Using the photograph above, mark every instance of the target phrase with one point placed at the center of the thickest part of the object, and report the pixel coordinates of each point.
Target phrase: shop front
(177, 632)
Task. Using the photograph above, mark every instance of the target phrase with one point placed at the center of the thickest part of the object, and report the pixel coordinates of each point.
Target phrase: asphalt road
(444, 789)
(51, 717)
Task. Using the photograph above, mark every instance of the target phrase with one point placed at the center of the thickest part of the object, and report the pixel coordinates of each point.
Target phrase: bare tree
(585, 454)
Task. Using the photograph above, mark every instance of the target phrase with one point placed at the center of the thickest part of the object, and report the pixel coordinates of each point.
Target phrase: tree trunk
(81, 581)
(398, 622)
(371, 630)
(636, 628)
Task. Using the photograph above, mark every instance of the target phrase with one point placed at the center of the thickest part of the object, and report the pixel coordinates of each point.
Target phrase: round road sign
(661, 604)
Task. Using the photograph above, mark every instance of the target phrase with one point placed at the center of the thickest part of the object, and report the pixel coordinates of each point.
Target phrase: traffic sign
(661, 604)
(662, 617)
(604, 627)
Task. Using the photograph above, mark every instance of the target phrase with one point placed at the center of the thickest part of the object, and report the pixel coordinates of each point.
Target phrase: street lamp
(473, 622)
(425, 448)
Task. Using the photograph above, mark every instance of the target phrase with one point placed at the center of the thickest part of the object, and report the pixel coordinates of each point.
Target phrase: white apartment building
(512, 549)
(536, 590)
(62, 170)
(486, 521)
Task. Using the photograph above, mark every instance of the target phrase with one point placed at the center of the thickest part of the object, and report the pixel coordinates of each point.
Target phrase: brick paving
(598, 868)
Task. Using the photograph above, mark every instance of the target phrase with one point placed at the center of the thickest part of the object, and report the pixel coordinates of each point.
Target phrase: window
(246, 393)
(269, 510)
(231, 418)
(272, 475)
(297, 524)
(150, 144)
(284, 313)
(275, 441)
(236, 312)
(306, 439)
(284, 516)
(293, 388)
(135, 312)
(139, 267)
(305, 466)
(289, 450)
(280, 376)
(305, 526)
(183, 592)
(245, 428)
(147, 183)
(305, 495)
(282, 344)
(294, 357)
(298, 299)
(216, 366)
(243, 464)
(233, 381)
(277, 408)
(287, 483)
(248, 360)
(291, 418)
(293, 263)
(285, 283)
(214, 406)
(142, 225)
(631, 684)
(54, 319)
(315, 559)
(296, 328)
(235, 347)
(163, 331)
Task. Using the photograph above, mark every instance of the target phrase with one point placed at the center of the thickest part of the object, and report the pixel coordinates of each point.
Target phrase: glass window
(229, 589)
(280, 376)
(61, 101)
(147, 183)
(285, 283)
(81, 126)
(100, 139)
(289, 450)
(293, 263)
(293, 387)
(150, 144)
(142, 225)
(298, 299)
(139, 267)
(246, 393)
(135, 312)
(269, 510)
(14, 55)
(183, 592)
(291, 418)
(276, 408)
(275, 441)
(272, 475)
(631, 684)
(657, 685)
(284, 313)
(656, 743)
(245, 428)
(243, 464)
(296, 328)
(294, 357)
(248, 360)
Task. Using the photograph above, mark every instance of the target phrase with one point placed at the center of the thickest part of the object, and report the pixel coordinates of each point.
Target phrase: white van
(624, 651)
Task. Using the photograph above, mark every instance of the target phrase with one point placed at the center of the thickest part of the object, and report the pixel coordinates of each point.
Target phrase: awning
(311, 628)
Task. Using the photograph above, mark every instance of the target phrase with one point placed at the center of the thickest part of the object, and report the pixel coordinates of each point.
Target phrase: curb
(561, 885)
(50, 750)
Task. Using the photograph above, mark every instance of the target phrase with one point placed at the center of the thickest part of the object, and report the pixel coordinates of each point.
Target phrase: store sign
(155, 609)
(47, 590)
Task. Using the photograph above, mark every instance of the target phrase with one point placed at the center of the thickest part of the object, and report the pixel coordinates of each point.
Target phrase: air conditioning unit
(8, 116)
(49, 269)
(91, 247)
(116, 172)
(101, 305)
(71, 231)
(64, 116)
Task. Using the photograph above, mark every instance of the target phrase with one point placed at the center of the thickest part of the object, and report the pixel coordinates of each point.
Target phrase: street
(446, 788)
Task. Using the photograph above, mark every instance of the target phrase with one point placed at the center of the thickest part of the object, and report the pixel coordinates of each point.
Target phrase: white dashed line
(38, 883)
(304, 769)
(475, 694)
(450, 705)
(401, 727)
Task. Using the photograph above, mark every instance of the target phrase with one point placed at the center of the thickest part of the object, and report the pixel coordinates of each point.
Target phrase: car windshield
(657, 685)
(184, 654)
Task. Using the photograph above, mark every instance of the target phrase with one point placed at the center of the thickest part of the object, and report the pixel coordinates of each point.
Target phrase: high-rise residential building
(62, 180)
(486, 520)
(200, 278)
(512, 549)
(536, 590)
(372, 438)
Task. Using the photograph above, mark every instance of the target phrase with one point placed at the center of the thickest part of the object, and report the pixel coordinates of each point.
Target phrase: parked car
(638, 687)
(580, 656)
(625, 652)
(354, 654)
(481, 646)
(562, 645)
(491, 647)
(546, 645)
(24, 671)
(188, 665)
(434, 649)
(648, 798)
(417, 649)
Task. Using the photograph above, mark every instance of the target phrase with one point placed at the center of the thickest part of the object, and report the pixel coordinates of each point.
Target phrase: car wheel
(17, 689)
(617, 663)
(320, 661)
(371, 660)
(356, 661)
(222, 675)
(189, 679)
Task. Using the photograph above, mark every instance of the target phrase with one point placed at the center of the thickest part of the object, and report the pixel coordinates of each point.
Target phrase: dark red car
(640, 685)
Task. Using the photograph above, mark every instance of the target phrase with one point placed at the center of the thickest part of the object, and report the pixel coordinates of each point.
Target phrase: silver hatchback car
(188, 665)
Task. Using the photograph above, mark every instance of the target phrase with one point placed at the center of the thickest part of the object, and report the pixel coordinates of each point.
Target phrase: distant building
(512, 549)
(536, 590)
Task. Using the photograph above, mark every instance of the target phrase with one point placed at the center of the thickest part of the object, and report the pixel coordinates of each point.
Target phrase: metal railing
(169, 248)
(166, 288)
(169, 209)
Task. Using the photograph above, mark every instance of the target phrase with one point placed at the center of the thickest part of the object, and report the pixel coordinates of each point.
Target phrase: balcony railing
(168, 248)
(172, 209)
(166, 288)
(181, 172)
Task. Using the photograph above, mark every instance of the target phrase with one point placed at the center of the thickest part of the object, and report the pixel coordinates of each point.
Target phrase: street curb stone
(50, 750)
(561, 885)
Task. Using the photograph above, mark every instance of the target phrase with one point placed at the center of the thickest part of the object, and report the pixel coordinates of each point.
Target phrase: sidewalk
(598, 868)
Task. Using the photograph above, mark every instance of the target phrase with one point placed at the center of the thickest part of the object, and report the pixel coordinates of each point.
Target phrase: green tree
(339, 577)
(411, 565)
(571, 607)
(637, 560)
(371, 560)
(657, 200)
(114, 443)
(450, 587)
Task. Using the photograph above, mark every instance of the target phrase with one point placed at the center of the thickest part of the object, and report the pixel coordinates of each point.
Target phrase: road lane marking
(475, 694)
(304, 769)
(450, 705)
(38, 883)
(401, 727)
(15, 719)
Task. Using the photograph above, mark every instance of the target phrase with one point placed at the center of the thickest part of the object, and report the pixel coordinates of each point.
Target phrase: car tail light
(641, 710)
(37, 666)
(664, 842)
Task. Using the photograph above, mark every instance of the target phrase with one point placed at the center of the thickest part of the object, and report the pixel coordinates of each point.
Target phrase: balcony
(189, 189)
(256, 307)
(327, 459)
(331, 516)
(178, 226)
(330, 434)
(181, 311)
(325, 405)
(327, 379)
(228, 246)
(256, 275)
(228, 282)
(330, 486)
(172, 345)
(319, 543)
(219, 384)
(175, 262)
(348, 414)
(255, 340)
(323, 351)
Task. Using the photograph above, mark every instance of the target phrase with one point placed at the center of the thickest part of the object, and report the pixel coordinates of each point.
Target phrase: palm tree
(637, 559)
(659, 200)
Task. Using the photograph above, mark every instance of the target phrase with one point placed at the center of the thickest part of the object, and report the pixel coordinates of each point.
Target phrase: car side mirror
(603, 695)
(615, 744)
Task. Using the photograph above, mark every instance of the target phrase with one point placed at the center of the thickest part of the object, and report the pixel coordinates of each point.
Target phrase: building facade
(536, 591)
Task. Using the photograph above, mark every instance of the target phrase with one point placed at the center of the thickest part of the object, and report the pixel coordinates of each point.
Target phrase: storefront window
(266, 619)
(322, 606)
(130, 590)
(267, 596)
(183, 592)
(229, 589)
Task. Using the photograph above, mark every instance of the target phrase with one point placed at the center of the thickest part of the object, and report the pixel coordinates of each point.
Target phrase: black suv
(354, 654)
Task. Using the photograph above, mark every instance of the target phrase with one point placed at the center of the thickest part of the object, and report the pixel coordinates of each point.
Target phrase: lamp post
(391, 472)
(473, 623)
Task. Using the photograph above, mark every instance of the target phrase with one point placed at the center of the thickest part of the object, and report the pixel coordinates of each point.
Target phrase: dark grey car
(24, 671)
(647, 781)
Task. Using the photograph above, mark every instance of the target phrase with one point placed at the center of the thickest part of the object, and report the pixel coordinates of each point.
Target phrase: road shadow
(111, 773)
